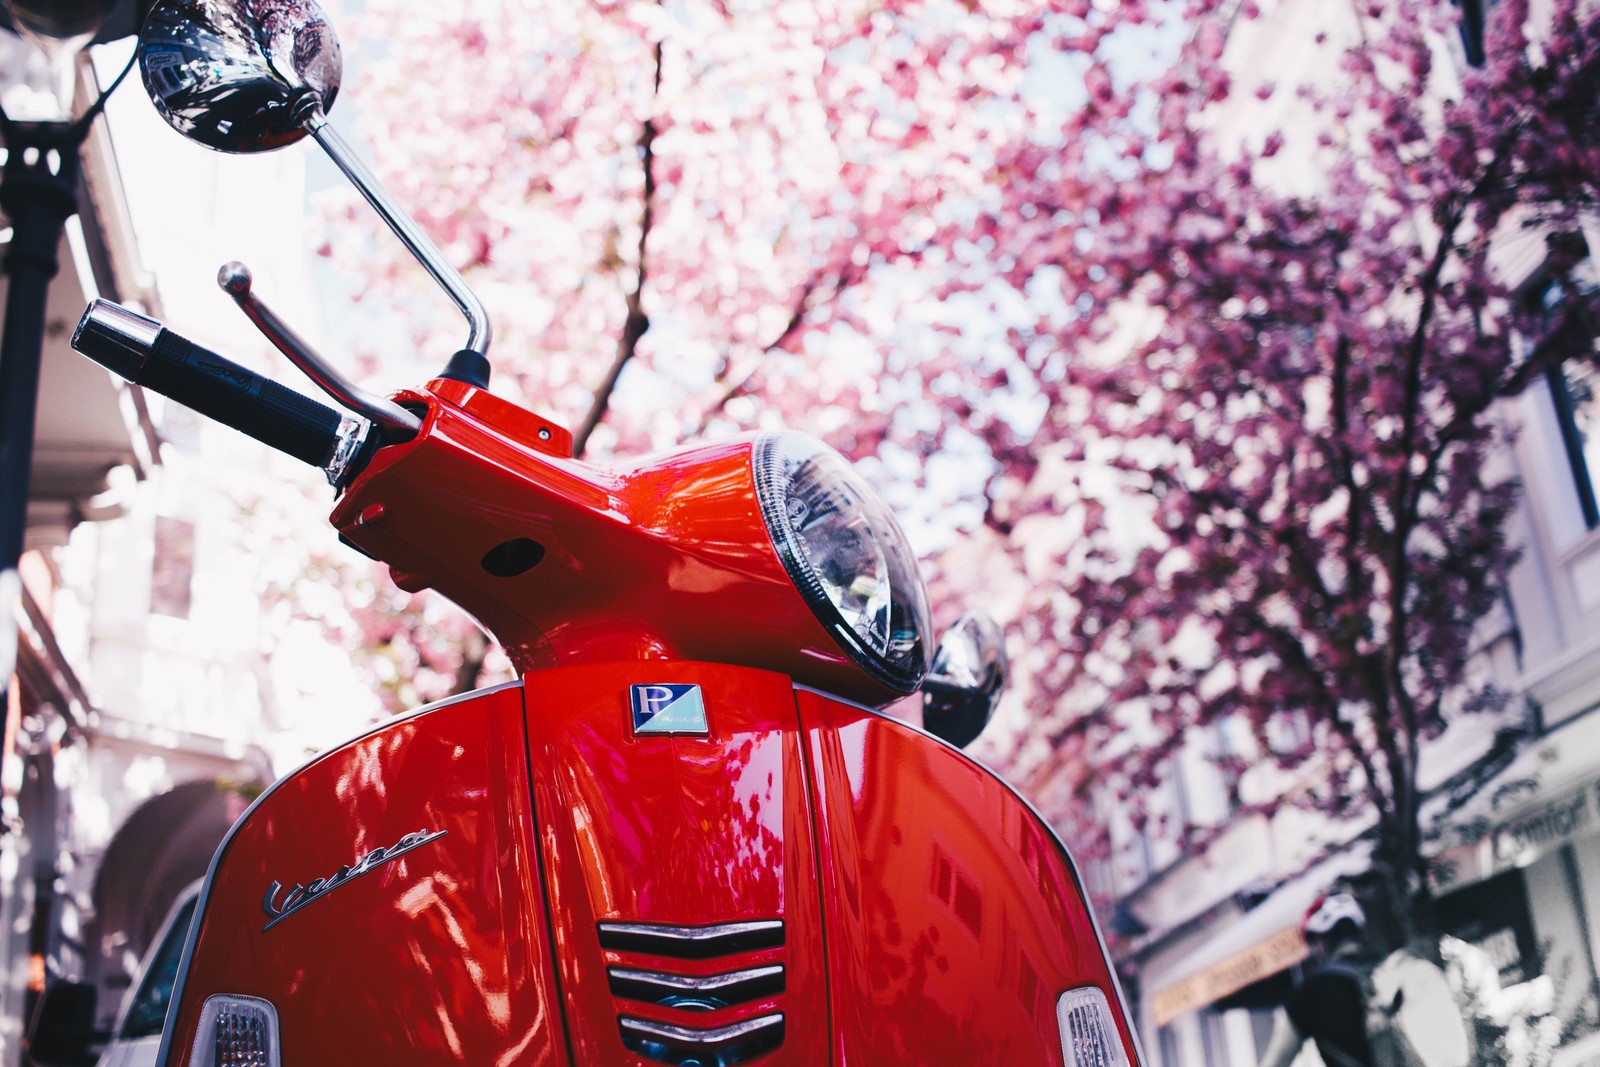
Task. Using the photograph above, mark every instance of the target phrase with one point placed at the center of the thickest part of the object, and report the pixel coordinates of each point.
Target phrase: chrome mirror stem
(255, 75)
(432, 260)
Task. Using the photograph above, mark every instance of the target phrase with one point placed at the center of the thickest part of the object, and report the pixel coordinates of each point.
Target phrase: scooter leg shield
(647, 862)
(385, 902)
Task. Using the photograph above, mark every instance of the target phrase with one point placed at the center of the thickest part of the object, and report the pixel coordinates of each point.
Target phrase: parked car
(62, 1032)
(137, 1035)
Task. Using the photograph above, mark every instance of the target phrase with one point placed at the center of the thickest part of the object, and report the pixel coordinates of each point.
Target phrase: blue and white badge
(668, 709)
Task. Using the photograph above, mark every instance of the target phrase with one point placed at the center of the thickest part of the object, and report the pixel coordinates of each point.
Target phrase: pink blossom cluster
(1208, 355)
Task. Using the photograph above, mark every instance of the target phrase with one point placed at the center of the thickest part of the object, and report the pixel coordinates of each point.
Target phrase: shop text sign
(1520, 840)
(1262, 960)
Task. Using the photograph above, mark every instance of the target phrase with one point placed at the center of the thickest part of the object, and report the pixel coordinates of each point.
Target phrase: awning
(87, 419)
(86, 422)
(1260, 943)
(1548, 795)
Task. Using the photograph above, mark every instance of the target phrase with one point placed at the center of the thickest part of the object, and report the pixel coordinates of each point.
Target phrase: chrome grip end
(116, 338)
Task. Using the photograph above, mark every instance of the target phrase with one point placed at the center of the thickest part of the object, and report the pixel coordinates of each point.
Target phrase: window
(1030, 987)
(172, 576)
(148, 1010)
(1262, 1022)
(1575, 391)
(1232, 748)
(1290, 734)
(1575, 395)
(958, 890)
(1214, 1039)
(1167, 1039)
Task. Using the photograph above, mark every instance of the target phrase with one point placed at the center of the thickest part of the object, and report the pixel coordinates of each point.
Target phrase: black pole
(39, 192)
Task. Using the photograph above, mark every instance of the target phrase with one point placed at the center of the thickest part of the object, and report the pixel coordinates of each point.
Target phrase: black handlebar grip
(271, 413)
(147, 354)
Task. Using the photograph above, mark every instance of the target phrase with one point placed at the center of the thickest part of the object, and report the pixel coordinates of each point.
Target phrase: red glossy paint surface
(664, 559)
(440, 956)
(954, 923)
(683, 830)
(928, 916)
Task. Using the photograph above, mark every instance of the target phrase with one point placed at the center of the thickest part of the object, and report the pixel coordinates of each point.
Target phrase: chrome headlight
(847, 556)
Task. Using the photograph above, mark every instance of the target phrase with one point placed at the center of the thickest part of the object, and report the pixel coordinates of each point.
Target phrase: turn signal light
(1089, 1035)
(236, 1032)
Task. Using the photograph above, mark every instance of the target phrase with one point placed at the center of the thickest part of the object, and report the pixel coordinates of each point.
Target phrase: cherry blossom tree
(709, 217)
(1219, 402)
(1270, 496)
(733, 203)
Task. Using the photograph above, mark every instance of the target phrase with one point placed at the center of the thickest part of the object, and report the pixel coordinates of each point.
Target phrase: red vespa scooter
(686, 835)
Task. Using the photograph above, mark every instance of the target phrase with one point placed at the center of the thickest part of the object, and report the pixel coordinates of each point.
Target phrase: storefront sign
(1263, 960)
(1519, 841)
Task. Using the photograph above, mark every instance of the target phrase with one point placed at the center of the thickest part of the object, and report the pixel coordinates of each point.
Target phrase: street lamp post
(38, 192)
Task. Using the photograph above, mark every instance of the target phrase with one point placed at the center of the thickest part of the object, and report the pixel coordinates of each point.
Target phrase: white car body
(136, 1039)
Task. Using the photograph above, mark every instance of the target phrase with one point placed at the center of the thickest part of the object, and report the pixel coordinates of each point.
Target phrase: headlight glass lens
(846, 554)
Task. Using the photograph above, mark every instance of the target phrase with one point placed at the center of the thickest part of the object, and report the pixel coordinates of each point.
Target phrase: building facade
(133, 735)
(1212, 938)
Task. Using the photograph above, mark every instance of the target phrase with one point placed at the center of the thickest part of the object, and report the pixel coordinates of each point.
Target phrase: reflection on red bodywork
(439, 956)
(690, 831)
(954, 924)
(666, 557)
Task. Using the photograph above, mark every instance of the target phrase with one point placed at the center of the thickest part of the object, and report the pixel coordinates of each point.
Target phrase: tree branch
(803, 305)
(637, 322)
(1573, 335)
(1292, 650)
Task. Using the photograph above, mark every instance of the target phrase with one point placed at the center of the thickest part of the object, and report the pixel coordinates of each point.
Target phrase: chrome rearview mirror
(239, 77)
(254, 75)
(968, 675)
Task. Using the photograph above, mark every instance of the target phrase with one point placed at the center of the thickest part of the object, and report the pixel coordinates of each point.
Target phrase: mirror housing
(254, 75)
(61, 1032)
(968, 675)
(237, 77)
(54, 27)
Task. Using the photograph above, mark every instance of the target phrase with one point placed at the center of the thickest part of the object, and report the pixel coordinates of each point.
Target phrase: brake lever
(235, 280)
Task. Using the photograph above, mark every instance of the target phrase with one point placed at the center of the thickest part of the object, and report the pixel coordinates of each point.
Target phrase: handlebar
(147, 354)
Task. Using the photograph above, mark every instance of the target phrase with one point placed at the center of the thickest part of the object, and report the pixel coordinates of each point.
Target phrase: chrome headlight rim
(775, 459)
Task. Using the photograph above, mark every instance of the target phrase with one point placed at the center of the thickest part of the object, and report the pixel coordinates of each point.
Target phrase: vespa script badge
(668, 709)
(298, 896)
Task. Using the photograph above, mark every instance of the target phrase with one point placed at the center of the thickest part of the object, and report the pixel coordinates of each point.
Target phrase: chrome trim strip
(1066, 853)
(692, 942)
(187, 959)
(698, 1039)
(664, 932)
(684, 983)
